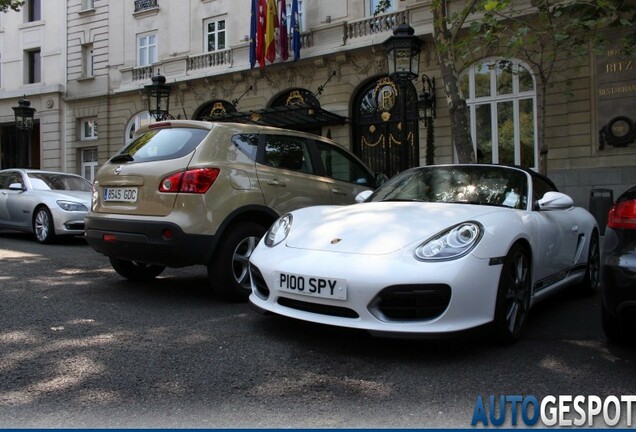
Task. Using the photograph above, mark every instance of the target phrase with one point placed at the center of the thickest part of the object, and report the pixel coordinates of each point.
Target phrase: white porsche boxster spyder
(435, 250)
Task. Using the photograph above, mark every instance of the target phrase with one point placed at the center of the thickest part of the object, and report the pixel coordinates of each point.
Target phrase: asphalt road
(80, 347)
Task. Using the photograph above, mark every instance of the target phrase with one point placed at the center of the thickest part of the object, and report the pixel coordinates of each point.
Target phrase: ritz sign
(616, 95)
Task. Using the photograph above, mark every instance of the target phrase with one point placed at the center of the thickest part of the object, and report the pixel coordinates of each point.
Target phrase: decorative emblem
(118, 170)
(336, 241)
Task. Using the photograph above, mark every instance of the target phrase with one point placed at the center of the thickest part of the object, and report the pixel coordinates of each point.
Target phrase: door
(287, 175)
(345, 175)
(558, 234)
(380, 132)
(14, 211)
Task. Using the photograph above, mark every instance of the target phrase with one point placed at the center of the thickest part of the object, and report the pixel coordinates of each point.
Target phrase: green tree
(15, 5)
(452, 50)
(551, 37)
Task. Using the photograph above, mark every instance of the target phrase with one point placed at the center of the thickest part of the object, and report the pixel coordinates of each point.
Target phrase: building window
(214, 33)
(33, 67)
(88, 129)
(89, 163)
(34, 10)
(142, 5)
(301, 16)
(501, 98)
(373, 6)
(146, 49)
(141, 119)
(88, 65)
(88, 4)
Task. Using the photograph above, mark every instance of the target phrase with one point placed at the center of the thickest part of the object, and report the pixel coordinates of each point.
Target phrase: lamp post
(23, 124)
(426, 107)
(158, 97)
(403, 56)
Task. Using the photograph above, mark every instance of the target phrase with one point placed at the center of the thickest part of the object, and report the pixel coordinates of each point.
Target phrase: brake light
(159, 125)
(622, 215)
(192, 181)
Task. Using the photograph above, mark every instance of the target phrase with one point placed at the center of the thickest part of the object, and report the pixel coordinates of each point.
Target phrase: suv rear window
(162, 144)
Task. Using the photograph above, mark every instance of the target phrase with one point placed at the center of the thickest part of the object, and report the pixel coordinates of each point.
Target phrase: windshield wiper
(402, 200)
(125, 157)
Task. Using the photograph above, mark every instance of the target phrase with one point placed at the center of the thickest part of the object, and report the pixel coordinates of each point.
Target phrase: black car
(619, 269)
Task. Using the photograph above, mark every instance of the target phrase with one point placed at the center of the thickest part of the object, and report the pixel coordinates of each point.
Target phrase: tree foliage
(15, 5)
(547, 34)
(551, 37)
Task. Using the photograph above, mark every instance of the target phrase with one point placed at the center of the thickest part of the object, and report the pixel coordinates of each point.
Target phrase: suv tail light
(623, 215)
(192, 181)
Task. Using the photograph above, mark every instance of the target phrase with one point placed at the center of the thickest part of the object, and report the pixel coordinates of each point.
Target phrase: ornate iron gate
(378, 126)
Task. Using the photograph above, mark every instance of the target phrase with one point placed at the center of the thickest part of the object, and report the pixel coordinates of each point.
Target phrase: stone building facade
(98, 55)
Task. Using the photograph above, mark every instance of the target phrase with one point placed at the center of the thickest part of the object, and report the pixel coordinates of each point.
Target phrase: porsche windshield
(482, 185)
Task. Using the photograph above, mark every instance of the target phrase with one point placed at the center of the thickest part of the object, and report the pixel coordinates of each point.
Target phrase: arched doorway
(377, 126)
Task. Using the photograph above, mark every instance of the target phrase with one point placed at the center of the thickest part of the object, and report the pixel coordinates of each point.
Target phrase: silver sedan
(46, 203)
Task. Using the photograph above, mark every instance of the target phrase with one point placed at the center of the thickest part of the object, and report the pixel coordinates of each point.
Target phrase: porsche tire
(591, 280)
(513, 296)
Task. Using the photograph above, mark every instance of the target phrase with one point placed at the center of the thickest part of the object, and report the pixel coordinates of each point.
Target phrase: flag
(295, 29)
(260, 33)
(271, 24)
(282, 37)
(253, 20)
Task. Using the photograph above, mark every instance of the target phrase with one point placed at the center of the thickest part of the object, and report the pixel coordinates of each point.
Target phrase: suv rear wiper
(124, 157)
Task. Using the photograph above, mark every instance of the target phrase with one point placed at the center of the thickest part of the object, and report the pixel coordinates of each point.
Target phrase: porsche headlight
(71, 206)
(278, 232)
(450, 244)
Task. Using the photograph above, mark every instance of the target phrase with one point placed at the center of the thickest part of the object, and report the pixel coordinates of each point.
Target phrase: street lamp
(426, 100)
(23, 124)
(24, 114)
(426, 107)
(158, 97)
(403, 56)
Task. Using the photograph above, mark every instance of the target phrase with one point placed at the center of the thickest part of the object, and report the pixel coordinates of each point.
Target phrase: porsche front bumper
(392, 293)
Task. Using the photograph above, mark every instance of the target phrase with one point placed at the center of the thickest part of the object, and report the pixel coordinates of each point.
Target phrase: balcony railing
(373, 25)
(210, 59)
(142, 73)
(224, 59)
(142, 5)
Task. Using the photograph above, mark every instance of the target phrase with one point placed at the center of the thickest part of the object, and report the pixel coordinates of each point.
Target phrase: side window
(4, 180)
(15, 178)
(287, 152)
(340, 166)
(247, 144)
(540, 187)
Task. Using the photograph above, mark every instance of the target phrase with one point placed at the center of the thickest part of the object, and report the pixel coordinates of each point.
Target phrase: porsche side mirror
(555, 201)
(362, 196)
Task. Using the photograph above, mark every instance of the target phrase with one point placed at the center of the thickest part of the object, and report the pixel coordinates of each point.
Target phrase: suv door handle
(275, 182)
(338, 191)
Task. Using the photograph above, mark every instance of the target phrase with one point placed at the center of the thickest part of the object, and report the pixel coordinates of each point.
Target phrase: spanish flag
(271, 23)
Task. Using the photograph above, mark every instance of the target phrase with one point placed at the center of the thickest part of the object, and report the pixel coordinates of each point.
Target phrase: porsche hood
(377, 228)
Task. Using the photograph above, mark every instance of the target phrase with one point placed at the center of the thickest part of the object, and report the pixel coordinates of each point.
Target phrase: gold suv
(190, 192)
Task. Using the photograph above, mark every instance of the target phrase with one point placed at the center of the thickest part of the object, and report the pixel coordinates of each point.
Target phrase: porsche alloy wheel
(43, 227)
(136, 271)
(593, 269)
(229, 271)
(513, 296)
